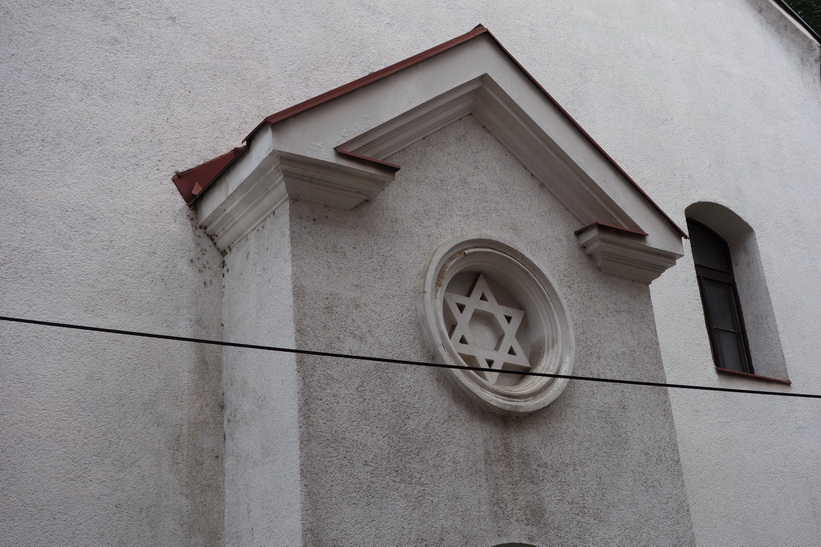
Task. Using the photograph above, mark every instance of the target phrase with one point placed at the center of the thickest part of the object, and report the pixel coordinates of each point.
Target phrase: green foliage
(809, 11)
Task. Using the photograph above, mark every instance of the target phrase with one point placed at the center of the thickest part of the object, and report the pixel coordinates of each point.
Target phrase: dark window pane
(718, 292)
(709, 250)
(720, 301)
(730, 350)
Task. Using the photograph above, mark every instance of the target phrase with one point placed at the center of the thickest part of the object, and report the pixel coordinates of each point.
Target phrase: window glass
(721, 304)
(731, 351)
(734, 293)
(722, 312)
(709, 250)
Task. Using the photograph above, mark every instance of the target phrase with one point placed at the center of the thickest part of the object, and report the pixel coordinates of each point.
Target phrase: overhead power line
(409, 362)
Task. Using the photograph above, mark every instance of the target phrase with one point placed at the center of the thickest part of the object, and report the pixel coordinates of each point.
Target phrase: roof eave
(203, 176)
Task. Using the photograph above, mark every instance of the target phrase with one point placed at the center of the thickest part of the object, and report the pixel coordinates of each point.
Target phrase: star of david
(507, 352)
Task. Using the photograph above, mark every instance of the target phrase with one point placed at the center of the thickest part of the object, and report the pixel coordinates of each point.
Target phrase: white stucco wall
(386, 448)
(751, 462)
(262, 475)
(111, 440)
(106, 440)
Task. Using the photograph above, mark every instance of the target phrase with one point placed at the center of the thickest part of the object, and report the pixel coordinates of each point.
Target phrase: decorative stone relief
(485, 305)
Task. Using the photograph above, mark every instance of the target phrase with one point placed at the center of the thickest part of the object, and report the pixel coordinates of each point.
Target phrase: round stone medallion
(487, 306)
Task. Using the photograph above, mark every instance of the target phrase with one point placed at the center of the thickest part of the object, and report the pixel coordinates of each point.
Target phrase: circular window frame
(517, 274)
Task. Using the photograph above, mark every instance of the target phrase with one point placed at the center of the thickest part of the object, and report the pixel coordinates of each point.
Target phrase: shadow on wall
(753, 295)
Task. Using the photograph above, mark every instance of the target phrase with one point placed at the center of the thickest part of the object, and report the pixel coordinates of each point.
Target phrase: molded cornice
(332, 150)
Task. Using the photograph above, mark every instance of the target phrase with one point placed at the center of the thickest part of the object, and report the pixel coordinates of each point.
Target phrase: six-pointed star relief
(506, 352)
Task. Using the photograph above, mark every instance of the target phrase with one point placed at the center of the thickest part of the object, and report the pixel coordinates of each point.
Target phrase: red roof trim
(370, 78)
(675, 226)
(205, 174)
(192, 182)
(199, 178)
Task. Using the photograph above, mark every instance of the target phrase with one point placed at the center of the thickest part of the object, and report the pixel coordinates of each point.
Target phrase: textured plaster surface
(262, 478)
(397, 455)
(107, 440)
(750, 105)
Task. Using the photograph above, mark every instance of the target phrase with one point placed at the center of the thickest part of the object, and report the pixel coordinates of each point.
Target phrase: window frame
(727, 278)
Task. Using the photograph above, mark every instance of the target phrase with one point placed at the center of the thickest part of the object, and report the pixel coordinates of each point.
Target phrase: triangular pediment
(332, 150)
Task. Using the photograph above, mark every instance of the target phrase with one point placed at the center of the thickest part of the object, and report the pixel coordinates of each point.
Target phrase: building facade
(516, 201)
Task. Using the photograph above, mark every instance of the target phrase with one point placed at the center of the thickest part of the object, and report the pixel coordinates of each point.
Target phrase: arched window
(719, 295)
(738, 312)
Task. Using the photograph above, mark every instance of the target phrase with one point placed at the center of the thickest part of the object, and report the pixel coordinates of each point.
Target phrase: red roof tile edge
(199, 178)
(370, 78)
(606, 156)
(192, 182)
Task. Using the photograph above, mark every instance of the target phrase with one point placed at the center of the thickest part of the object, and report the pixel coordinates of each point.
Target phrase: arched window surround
(764, 354)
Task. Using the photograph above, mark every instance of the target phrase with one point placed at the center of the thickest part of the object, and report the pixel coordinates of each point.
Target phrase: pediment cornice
(333, 149)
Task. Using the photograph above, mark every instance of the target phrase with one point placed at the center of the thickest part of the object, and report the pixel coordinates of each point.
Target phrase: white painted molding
(625, 255)
(484, 304)
(517, 131)
(331, 153)
(241, 200)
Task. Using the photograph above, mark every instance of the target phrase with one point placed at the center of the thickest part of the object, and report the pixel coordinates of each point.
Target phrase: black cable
(394, 361)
